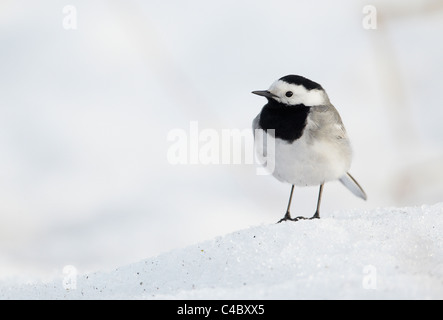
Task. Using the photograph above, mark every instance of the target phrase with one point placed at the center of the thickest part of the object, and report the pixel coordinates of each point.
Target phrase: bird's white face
(292, 94)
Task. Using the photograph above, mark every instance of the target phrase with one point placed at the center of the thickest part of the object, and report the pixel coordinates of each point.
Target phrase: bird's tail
(353, 186)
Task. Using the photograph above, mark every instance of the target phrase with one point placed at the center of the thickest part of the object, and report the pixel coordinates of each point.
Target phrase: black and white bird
(311, 146)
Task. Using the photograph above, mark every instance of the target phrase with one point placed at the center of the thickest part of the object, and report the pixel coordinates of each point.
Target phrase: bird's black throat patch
(287, 121)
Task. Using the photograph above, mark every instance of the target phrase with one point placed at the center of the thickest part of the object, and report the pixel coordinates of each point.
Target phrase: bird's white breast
(306, 161)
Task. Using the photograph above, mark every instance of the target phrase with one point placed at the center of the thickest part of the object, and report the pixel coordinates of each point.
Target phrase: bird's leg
(317, 212)
(288, 214)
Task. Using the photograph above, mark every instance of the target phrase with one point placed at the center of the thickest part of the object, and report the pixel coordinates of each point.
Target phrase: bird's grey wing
(326, 122)
(329, 126)
(353, 186)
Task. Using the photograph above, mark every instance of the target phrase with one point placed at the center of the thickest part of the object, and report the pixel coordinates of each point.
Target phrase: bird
(310, 142)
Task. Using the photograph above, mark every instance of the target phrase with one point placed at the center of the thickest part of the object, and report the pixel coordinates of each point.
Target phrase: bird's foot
(287, 217)
(315, 216)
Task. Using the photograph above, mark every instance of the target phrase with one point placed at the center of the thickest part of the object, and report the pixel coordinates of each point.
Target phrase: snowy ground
(390, 253)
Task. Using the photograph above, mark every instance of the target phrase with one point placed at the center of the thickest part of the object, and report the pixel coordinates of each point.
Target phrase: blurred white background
(85, 114)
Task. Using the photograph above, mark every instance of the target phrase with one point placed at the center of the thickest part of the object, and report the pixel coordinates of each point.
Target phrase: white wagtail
(311, 144)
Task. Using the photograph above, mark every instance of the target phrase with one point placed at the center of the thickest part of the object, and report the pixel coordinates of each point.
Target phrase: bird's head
(295, 90)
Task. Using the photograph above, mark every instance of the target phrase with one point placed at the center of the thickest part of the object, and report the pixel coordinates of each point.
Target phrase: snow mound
(389, 253)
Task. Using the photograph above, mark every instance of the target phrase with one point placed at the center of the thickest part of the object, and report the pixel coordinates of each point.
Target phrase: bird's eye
(289, 94)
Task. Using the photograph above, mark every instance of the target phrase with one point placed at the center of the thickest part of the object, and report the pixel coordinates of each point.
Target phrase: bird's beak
(264, 93)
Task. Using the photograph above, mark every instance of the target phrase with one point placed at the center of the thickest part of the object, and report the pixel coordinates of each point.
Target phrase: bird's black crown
(299, 80)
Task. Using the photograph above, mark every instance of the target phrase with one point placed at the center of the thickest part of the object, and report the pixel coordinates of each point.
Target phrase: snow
(383, 253)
